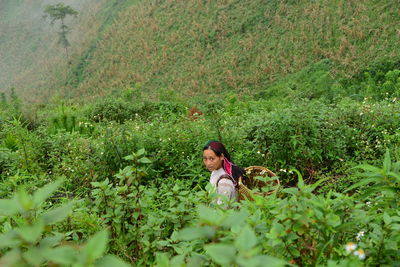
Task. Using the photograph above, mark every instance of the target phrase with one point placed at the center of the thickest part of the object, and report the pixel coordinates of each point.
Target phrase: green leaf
(387, 163)
(96, 245)
(293, 191)
(246, 239)
(144, 160)
(58, 214)
(369, 168)
(396, 167)
(333, 220)
(221, 253)
(64, 255)
(386, 218)
(394, 175)
(33, 256)
(277, 229)
(193, 233)
(9, 207)
(95, 184)
(9, 240)
(51, 241)
(300, 183)
(141, 152)
(260, 261)
(209, 215)
(162, 260)
(24, 200)
(178, 260)
(235, 219)
(265, 260)
(196, 260)
(31, 233)
(362, 182)
(45, 192)
(129, 157)
(111, 260)
(316, 184)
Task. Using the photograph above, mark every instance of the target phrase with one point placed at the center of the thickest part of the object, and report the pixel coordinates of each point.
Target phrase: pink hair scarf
(228, 166)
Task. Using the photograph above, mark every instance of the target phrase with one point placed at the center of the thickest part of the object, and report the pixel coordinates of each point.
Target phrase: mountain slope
(32, 61)
(210, 47)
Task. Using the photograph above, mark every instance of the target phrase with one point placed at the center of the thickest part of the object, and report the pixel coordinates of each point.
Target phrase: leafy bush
(141, 218)
(28, 239)
(312, 136)
(380, 80)
(116, 109)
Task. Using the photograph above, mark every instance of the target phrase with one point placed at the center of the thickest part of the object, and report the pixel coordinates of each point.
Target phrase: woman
(224, 174)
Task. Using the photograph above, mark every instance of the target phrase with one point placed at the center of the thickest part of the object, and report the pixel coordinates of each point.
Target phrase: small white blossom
(359, 235)
(360, 253)
(350, 247)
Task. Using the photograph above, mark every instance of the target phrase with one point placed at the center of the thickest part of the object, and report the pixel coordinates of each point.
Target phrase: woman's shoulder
(215, 175)
(218, 172)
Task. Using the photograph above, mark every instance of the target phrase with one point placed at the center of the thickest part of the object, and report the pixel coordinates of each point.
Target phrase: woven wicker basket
(250, 182)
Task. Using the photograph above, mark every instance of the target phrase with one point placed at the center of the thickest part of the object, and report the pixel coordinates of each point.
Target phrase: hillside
(213, 47)
(190, 47)
(32, 61)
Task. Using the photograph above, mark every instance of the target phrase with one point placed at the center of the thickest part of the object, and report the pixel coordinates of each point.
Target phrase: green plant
(28, 238)
(142, 217)
(112, 199)
(117, 109)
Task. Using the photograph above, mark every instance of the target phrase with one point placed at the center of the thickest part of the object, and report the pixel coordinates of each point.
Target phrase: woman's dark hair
(219, 149)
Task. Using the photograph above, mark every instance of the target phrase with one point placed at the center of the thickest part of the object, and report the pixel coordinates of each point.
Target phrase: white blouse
(225, 186)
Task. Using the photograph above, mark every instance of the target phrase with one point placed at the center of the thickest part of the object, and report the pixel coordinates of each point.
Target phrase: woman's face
(211, 160)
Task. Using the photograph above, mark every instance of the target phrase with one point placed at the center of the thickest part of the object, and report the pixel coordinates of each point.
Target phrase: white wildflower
(359, 235)
(360, 253)
(350, 247)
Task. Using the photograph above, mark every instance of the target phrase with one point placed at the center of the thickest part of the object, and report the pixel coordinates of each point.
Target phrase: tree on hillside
(60, 12)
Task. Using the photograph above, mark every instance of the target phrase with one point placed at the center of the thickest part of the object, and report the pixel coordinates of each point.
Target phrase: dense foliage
(134, 167)
(309, 89)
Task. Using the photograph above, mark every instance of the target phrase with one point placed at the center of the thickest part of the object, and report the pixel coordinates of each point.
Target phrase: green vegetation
(207, 47)
(133, 167)
(309, 89)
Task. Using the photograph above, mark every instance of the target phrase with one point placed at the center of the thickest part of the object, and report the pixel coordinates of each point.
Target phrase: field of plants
(101, 154)
(120, 181)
